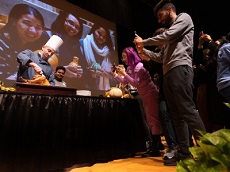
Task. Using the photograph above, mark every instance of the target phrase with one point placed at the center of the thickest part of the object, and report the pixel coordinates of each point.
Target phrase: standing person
(69, 27)
(140, 78)
(148, 136)
(209, 101)
(32, 63)
(133, 92)
(97, 48)
(23, 30)
(59, 75)
(177, 73)
(156, 73)
(223, 68)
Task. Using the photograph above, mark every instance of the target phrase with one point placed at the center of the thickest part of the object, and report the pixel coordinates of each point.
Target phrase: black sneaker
(151, 154)
(170, 161)
(181, 156)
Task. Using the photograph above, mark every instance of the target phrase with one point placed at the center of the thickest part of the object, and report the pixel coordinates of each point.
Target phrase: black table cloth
(41, 132)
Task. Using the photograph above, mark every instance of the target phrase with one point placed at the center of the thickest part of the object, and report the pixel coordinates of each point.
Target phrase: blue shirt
(223, 67)
(28, 72)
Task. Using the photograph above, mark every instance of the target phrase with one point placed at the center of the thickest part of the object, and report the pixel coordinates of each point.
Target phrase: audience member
(209, 101)
(32, 63)
(59, 75)
(177, 73)
(156, 73)
(148, 136)
(140, 78)
(23, 30)
(223, 68)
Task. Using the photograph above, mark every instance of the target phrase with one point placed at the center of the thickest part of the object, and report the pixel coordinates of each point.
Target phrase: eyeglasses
(72, 24)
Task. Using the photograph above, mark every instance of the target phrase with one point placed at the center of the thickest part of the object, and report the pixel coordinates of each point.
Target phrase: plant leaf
(213, 155)
(217, 141)
(221, 159)
(181, 167)
(197, 152)
(227, 104)
(225, 133)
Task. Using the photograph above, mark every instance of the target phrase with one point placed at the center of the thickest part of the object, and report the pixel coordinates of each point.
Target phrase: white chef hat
(54, 42)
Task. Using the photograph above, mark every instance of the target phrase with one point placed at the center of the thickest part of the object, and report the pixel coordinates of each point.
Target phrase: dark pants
(178, 91)
(166, 124)
(226, 93)
(147, 131)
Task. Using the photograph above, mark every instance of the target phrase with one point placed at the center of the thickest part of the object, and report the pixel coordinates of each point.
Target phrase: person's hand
(202, 67)
(99, 72)
(36, 68)
(79, 71)
(94, 73)
(194, 67)
(72, 72)
(156, 78)
(138, 43)
(144, 57)
(207, 38)
(204, 38)
(201, 41)
(114, 71)
(121, 71)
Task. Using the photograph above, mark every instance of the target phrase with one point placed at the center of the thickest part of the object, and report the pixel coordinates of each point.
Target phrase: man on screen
(59, 75)
(33, 63)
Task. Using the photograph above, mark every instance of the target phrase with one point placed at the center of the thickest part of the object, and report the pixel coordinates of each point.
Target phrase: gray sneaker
(169, 154)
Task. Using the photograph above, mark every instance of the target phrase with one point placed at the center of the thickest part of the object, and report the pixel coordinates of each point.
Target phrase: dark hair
(163, 4)
(20, 9)
(57, 25)
(223, 40)
(159, 31)
(109, 42)
(60, 67)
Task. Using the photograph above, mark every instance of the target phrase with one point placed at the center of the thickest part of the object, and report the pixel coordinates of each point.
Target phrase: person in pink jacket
(139, 77)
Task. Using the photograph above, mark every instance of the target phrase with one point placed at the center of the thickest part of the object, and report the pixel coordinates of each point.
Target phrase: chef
(33, 63)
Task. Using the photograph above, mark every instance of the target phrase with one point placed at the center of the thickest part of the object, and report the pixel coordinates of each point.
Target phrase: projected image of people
(87, 53)
(97, 48)
(69, 27)
(24, 30)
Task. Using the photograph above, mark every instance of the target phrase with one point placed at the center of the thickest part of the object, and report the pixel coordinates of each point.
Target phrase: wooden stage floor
(134, 164)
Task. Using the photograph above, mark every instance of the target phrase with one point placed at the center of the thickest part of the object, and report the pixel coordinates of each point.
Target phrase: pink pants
(151, 106)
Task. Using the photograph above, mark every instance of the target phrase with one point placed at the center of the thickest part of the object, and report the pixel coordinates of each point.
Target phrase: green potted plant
(212, 154)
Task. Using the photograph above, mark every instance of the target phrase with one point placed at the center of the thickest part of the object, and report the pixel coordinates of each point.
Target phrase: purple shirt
(140, 78)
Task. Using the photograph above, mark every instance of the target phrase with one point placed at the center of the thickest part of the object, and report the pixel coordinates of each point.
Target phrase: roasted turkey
(37, 79)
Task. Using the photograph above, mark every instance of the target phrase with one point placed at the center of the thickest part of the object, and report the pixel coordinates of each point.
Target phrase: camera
(114, 68)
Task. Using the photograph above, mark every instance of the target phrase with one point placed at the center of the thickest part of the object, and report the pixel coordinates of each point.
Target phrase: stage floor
(135, 164)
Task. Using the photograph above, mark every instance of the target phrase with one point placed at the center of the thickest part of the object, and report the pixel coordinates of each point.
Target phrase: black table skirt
(41, 132)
